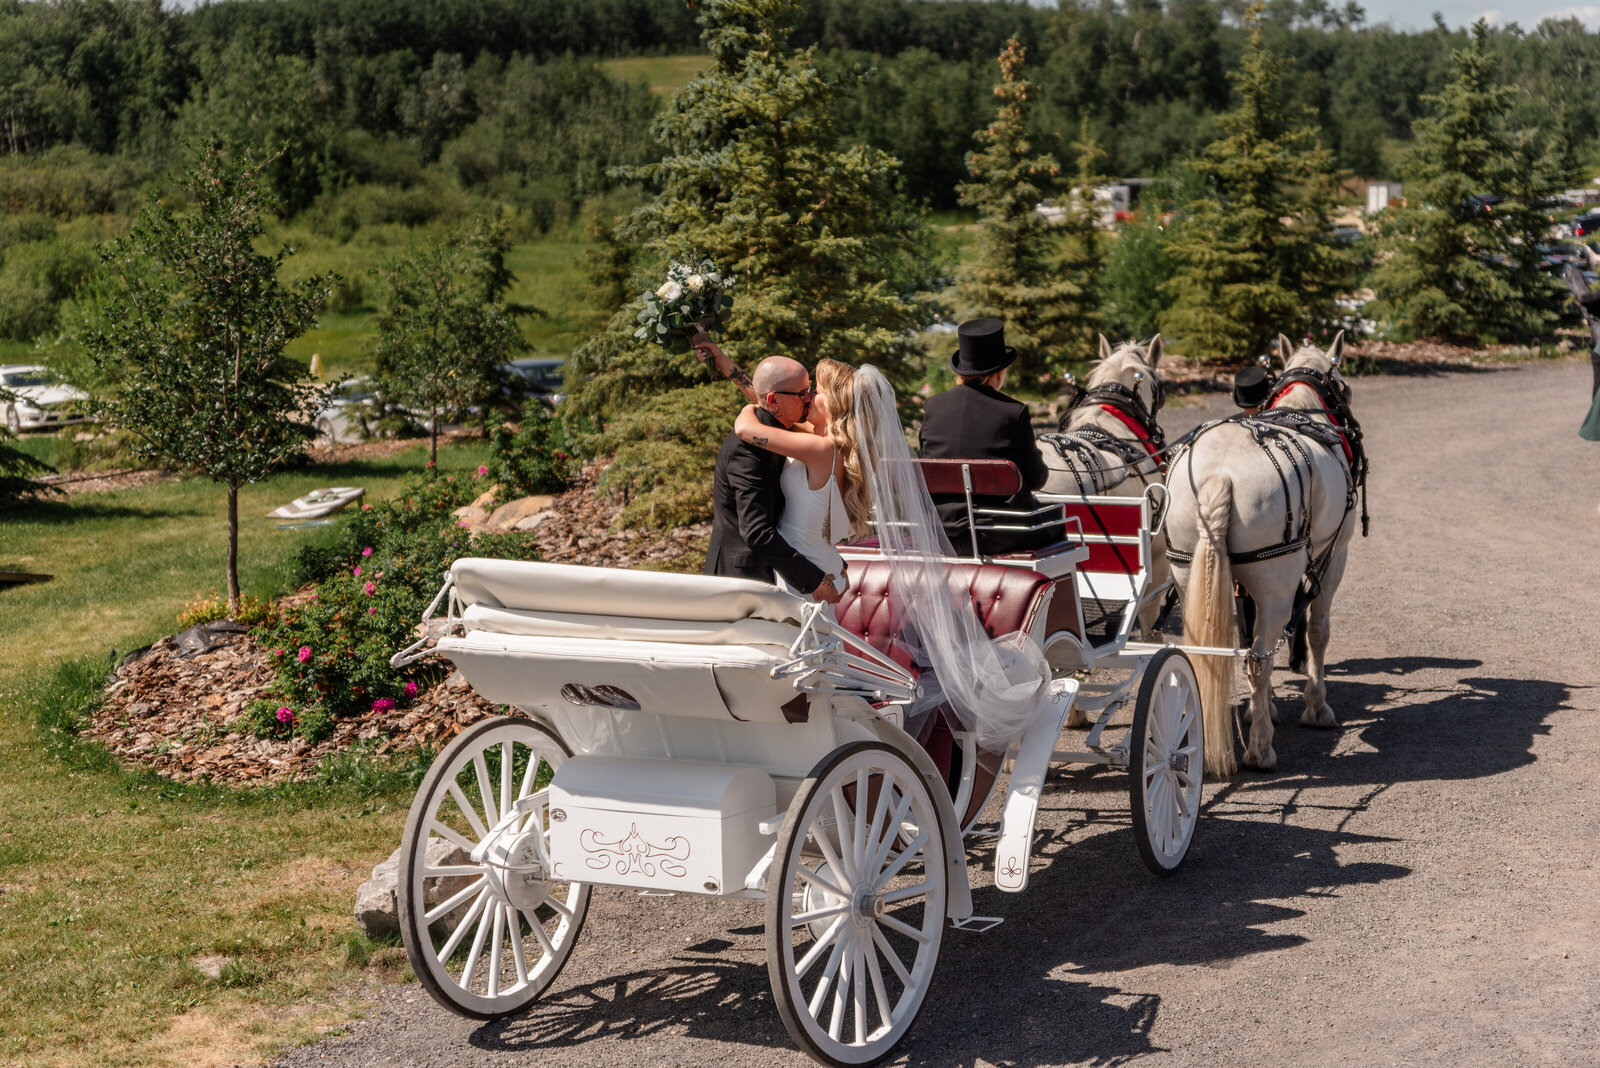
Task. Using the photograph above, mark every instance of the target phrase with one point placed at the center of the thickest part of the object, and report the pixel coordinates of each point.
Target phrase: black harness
(1086, 444)
(1283, 431)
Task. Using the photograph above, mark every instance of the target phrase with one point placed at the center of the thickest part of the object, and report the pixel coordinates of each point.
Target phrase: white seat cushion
(604, 591)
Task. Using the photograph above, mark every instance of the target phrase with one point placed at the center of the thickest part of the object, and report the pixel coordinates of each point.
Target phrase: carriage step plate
(978, 924)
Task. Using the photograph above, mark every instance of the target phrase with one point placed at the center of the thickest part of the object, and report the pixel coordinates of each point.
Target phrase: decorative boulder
(378, 909)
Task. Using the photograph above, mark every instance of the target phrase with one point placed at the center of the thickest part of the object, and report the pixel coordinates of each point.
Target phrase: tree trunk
(433, 437)
(233, 551)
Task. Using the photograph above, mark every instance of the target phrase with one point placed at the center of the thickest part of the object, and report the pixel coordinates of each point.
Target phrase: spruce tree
(830, 258)
(1015, 278)
(16, 466)
(1454, 267)
(1251, 254)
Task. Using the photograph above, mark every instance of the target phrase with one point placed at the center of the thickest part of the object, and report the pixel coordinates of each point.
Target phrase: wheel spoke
(843, 825)
(858, 990)
(840, 989)
(539, 933)
(891, 956)
(880, 993)
(477, 949)
(875, 829)
(880, 852)
(910, 852)
(818, 914)
(514, 924)
(469, 812)
(904, 928)
(858, 846)
(452, 834)
(466, 924)
(457, 899)
(485, 791)
(531, 774)
(814, 954)
(550, 899)
(906, 893)
(814, 1006)
(451, 870)
(818, 881)
(497, 936)
(819, 835)
(507, 758)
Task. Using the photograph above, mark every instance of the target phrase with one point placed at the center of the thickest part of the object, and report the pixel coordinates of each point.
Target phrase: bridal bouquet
(692, 299)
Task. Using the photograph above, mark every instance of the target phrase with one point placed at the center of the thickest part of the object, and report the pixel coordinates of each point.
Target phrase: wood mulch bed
(180, 716)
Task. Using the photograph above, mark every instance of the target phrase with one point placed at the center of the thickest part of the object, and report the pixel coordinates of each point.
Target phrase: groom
(745, 542)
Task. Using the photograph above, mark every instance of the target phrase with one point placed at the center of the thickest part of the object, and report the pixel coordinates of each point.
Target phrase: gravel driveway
(1417, 886)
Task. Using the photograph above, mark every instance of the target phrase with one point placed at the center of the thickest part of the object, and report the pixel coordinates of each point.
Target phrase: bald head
(779, 372)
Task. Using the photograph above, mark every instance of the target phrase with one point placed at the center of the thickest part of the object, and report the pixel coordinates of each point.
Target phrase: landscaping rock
(473, 517)
(377, 907)
(508, 515)
(204, 637)
(532, 522)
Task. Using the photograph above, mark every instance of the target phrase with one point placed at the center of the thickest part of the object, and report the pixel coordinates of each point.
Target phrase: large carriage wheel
(855, 908)
(1164, 764)
(486, 927)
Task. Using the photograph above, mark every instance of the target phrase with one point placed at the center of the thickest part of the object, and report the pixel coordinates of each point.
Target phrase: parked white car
(41, 400)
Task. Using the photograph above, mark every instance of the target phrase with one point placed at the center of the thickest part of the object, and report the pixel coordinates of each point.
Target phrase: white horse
(1085, 463)
(1230, 498)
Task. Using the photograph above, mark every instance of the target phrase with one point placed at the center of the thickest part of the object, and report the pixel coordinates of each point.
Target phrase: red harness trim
(1138, 433)
(1344, 440)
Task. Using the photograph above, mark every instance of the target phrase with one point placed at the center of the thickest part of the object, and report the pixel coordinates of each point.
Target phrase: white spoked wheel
(486, 927)
(1166, 754)
(855, 908)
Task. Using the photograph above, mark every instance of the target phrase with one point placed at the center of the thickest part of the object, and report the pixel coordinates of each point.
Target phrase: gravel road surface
(1417, 886)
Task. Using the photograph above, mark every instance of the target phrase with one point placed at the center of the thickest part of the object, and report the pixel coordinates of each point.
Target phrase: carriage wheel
(486, 927)
(1164, 762)
(855, 915)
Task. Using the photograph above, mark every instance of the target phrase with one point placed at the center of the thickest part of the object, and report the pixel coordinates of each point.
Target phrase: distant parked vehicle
(538, 377)
(42, 401)
(1586, 225)
(345, 411)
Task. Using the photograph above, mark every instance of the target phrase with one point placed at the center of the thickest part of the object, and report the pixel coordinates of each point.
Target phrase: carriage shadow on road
(1092, 909)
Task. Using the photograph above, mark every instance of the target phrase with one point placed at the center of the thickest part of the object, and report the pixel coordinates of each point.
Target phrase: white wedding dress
(812, 521)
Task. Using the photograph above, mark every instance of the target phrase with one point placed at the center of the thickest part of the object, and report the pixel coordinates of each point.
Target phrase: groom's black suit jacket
(745, 542)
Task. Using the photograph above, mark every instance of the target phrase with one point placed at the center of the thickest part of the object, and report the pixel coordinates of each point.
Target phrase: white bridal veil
(995, 685)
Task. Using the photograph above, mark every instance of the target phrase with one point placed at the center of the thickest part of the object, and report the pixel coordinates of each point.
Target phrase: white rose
(670, 291)
(696, 283)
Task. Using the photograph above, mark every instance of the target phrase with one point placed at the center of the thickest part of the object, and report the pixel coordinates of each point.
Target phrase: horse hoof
(1323, 718)
(1267, 761)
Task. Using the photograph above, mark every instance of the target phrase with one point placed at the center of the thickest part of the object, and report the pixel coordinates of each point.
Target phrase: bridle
(1087, 443)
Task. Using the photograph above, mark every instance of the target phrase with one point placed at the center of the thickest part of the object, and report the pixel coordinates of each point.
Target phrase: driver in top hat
(1251, 388)
(975, 421)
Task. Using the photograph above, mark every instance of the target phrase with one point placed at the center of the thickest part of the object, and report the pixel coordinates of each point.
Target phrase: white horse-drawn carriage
(699, 735)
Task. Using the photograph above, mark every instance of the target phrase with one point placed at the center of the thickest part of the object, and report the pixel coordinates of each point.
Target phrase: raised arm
(710, 353)
(802, 445)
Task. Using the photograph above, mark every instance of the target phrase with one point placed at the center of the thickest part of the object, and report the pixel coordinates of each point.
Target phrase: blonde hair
(836, 386)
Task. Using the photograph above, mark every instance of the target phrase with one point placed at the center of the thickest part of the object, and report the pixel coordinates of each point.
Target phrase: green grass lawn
(112, 883)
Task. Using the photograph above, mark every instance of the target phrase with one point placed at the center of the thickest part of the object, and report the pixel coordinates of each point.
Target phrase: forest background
(400, 119)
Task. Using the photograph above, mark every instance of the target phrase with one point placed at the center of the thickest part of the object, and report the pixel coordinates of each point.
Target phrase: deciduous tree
(194, 335)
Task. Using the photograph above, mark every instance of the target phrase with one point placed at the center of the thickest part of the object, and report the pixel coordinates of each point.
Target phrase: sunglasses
(794, 392)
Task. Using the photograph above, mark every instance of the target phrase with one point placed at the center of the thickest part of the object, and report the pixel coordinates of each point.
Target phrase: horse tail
(1208, 619)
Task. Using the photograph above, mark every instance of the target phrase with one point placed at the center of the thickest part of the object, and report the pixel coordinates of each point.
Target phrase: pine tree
(1083, 250)
(1014, 278)
(831, 260)
(1454, 267)
(16, 466)
(194, 335)
(1251, 255)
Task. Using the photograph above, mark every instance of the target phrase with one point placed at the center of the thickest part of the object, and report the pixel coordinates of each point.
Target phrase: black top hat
(1251, 387)
(982, 348)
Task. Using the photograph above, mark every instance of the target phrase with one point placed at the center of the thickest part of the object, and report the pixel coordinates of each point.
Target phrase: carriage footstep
(978, 924)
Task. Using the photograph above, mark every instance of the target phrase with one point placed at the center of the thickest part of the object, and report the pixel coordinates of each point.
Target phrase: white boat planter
(318, 503)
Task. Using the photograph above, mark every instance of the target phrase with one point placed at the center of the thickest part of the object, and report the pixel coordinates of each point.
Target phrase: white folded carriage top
(687, 645)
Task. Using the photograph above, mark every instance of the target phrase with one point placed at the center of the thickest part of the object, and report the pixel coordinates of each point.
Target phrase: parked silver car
(38, 400)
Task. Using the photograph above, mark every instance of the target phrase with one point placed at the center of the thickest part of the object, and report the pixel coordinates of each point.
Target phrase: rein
(1128, 408)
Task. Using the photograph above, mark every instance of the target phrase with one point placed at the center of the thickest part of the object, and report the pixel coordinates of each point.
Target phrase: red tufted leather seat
(1007, 599)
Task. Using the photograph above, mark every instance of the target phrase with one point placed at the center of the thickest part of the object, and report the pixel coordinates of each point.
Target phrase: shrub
(332, 654)
(252, 611)
(530, 457)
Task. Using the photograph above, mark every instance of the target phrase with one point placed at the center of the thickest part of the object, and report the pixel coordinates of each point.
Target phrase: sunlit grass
(666, 74)
(113, 884)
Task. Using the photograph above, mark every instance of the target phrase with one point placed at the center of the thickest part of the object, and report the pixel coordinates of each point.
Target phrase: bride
(852, 458)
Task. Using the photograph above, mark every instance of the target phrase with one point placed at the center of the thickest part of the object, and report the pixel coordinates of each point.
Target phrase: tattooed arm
(800, 442)
(709, 352)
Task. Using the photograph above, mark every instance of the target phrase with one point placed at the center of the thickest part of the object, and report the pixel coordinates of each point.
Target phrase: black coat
(745, 542)
(974, 422)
